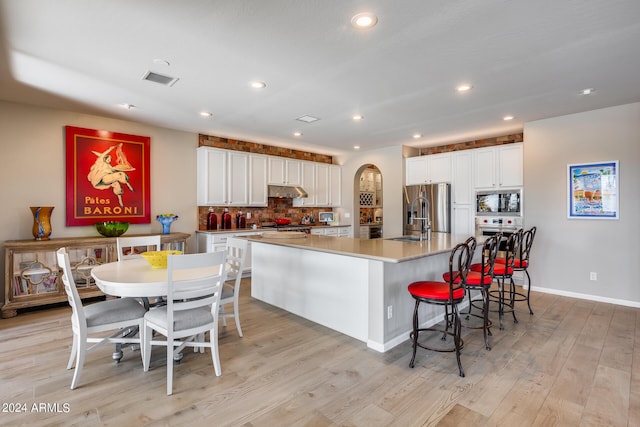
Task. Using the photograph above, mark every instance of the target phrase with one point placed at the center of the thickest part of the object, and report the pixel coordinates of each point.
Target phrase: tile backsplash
(276, 208)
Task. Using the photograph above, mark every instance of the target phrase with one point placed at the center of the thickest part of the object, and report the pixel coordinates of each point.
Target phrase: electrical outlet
(593, 276)
(248, 215)
(389, 312)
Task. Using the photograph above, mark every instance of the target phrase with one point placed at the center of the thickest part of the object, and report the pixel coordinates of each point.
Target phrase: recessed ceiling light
(356, 147)
(507, 118)
(417, 135)
(297, 134)
(206, 114)
(364, 20)
(588, 91)
(464, 87)
(358, 117)
(258, 85)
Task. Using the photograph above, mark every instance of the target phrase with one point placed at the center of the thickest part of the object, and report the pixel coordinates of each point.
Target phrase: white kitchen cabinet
(462, 194)
(231, 178)
(428, 169)
(284, 171)
(212, 176)
(257, 180)
(498, 167)
(323, 186)
(238, 178)
(308, 183)
(335, 185)
(338, 231)
(510, 161)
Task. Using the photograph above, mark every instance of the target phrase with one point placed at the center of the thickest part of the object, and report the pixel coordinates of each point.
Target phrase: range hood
(287, 191)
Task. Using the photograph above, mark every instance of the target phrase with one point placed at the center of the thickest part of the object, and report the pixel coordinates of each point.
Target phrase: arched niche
(367, 198)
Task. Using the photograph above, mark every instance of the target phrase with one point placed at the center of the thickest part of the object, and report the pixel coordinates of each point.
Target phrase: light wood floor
(574, 363)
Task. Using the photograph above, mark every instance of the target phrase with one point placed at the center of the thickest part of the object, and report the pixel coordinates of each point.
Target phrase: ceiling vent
(160, 78)
(308, 119)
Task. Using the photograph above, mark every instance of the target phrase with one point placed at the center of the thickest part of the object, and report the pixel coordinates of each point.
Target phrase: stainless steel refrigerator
(439, 202)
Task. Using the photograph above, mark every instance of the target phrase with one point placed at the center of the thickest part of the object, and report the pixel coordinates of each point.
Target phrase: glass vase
(166, 222)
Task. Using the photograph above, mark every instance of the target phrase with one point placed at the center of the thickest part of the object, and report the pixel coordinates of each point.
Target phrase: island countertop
(374, 249)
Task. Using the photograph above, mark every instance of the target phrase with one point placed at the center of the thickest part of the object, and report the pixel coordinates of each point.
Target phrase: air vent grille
(160, 78)
(308, 119)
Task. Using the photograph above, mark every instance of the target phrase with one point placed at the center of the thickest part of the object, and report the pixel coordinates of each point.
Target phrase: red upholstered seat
(498, 269)
(473, 278)
(434, 290)
(517, 263)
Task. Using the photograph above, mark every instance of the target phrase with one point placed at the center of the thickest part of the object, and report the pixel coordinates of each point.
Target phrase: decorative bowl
(283, 221)
(158, 259)
(112, 228)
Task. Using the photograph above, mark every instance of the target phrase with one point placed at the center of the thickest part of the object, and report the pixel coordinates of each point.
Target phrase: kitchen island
(355, 286)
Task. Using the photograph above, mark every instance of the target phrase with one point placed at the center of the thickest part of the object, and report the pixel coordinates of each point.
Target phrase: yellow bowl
(158, 259)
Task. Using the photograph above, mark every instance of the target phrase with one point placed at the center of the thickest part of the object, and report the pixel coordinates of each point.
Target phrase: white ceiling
(527, 58)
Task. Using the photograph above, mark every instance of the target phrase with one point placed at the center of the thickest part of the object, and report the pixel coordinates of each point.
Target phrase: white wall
(567, 250)
(33, 171)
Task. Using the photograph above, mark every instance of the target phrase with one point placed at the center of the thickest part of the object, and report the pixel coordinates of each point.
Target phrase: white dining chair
(121, 314)
(236, 254)
(126, 246)
(191, 310)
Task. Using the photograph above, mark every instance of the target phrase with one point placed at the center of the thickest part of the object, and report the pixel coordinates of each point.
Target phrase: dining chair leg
(236, 316)
(215, 356)
(74, 349)
(146, 345)
(80, 353)
(169, 366)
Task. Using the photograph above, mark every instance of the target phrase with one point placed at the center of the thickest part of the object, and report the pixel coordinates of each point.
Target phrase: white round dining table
(136, 278)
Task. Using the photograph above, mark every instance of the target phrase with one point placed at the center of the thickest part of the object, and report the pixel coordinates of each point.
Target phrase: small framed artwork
(107, 177)
(593, 190)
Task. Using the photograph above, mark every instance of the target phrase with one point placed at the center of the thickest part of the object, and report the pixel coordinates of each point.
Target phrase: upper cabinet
(498, 167)
(258, 169)
(212, 177)
(335, 185)
(232, 178)
(428, 169)
(237, 178)
(284, 171)
(308, 183)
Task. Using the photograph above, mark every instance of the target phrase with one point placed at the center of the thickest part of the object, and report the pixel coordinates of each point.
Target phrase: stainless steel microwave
(507, 202)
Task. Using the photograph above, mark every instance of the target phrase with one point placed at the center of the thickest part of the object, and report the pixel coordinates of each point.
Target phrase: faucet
(425, 218)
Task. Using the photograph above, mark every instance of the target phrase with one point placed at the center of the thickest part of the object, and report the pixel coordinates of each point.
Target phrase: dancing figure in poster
(104, 175)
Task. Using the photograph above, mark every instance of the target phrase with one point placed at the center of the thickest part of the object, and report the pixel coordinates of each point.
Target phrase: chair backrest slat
(205, 273)
(150, 243)
(77, 311)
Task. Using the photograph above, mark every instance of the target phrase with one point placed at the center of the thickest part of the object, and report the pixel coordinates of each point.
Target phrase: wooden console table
(32, 273)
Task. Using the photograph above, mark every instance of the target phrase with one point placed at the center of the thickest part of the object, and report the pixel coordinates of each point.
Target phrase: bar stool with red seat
(521, 263)
(480, 277)
(447, 294)
(503, 271)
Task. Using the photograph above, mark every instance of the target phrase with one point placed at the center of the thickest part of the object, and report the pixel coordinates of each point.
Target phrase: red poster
(107, 177)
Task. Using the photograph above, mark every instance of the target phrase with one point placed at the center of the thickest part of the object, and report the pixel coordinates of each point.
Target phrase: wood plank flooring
(574, 363)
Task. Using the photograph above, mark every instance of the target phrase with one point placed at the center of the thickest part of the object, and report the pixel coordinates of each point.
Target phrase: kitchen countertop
(374, 249)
